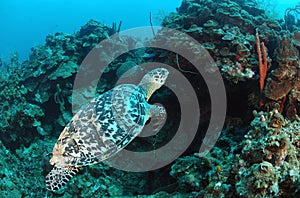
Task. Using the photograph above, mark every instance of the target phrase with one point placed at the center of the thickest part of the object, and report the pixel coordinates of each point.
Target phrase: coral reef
(10, 185)
(256, 155)
(266, 163)
(227, 31)
(269, 157)
(290, 17)
(17, 114)
(202, 176)
(36, 97)
(264, 167)
(283, 81)
(42, 85)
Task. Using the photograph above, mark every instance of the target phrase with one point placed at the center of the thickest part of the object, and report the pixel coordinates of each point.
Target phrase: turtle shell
(102, 128)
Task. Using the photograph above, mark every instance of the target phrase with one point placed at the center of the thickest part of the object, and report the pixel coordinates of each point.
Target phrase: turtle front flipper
(59, 176)
(158, 117)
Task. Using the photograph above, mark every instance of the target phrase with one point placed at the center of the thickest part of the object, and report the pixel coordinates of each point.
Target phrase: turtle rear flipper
(59, 176)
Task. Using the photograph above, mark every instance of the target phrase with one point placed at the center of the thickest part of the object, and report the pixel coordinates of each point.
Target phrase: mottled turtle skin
(104, 126)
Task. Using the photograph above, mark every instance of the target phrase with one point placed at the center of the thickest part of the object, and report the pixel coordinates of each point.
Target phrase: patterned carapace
(104, 126)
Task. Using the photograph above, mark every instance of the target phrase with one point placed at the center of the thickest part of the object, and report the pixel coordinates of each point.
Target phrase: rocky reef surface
(257, 154)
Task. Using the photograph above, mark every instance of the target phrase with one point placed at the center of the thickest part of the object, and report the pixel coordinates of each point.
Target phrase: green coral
(64, 70)
(270, 158)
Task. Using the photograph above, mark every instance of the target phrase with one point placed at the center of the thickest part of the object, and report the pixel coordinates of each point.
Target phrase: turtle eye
(148, 121)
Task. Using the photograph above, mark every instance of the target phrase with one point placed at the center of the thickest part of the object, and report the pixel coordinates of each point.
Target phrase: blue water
(25, 23)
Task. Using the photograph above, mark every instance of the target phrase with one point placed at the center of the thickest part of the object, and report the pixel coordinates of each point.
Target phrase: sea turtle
(105, 126)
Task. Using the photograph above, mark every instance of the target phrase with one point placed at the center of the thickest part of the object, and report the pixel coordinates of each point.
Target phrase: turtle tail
(59, 176)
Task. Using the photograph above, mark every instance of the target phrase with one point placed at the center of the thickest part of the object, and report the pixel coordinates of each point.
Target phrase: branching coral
(289, 18)
(263, 63)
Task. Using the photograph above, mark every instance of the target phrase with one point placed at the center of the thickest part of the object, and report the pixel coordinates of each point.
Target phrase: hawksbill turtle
(105, 126)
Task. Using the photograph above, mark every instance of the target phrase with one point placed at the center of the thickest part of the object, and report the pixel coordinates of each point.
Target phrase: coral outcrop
(37, 93)
(283, 81)
(227, 30)
(266, 163)
(270, 157)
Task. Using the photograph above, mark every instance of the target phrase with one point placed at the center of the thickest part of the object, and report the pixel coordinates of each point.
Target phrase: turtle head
(153, 80)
